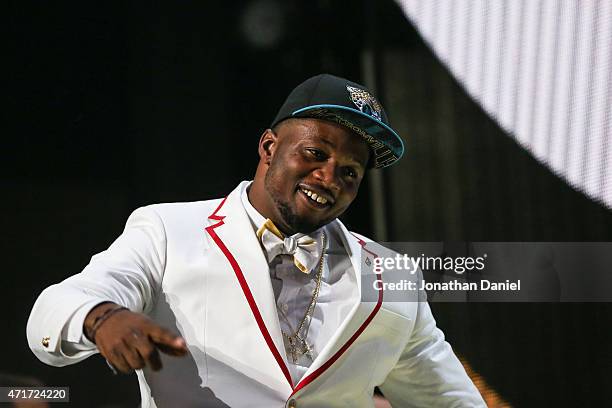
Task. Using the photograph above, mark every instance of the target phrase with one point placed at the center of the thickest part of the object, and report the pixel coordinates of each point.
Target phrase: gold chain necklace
(297, 341)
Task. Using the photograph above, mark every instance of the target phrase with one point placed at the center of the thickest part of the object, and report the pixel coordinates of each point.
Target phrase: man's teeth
(315, 197)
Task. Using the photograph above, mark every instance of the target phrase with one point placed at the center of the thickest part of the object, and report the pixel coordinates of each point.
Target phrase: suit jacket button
(292, 404)
(45, 341)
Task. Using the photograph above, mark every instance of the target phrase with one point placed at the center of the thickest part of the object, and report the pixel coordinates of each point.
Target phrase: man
(263, 285)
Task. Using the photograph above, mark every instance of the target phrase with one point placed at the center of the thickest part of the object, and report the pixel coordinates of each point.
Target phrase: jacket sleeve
(128, 273)
(428, 374)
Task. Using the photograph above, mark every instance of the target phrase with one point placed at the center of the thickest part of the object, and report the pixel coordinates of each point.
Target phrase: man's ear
(267, 145)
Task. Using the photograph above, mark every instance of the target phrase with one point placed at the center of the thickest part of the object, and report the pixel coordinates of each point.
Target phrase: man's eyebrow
(328, 142)
(363, 165)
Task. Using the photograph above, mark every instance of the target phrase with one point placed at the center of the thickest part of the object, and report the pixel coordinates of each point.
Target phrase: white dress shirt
(293, 292)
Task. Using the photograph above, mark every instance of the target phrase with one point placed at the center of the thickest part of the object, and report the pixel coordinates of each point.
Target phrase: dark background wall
(113, 106)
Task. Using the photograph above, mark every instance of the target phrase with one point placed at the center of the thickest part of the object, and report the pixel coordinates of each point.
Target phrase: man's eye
(317, 154)
(350, 172)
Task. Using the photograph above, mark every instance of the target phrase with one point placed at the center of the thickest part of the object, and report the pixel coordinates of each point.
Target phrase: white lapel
(355, 322)
(241, 299)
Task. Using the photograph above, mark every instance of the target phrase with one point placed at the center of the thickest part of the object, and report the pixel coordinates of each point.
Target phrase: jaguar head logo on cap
(365, 102)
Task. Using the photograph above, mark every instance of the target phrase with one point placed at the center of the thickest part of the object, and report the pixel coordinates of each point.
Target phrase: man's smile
(315, 197)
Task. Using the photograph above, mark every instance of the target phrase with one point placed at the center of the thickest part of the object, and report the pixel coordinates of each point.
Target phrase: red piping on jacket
(246, 290)
(258, 318)
(312, 376)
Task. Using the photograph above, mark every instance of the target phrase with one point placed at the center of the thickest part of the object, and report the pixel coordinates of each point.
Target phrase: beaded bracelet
(101, 319)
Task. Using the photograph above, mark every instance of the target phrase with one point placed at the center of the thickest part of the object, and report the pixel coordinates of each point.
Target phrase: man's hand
(130, 341)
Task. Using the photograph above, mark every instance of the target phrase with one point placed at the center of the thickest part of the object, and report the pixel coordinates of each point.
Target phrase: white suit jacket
(198, 269)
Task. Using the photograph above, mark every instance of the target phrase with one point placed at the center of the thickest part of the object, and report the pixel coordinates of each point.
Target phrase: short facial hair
(289, 217)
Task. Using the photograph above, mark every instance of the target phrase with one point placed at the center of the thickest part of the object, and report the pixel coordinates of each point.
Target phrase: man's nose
(329, 175)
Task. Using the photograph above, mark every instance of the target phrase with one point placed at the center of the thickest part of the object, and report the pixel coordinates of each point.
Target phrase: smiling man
(309, 173)
(254, 300)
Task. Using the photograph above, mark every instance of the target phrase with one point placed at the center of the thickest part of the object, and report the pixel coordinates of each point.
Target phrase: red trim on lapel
(246, 290)
(363, 244)
(260, 322)
(312, 376)
(214, 215)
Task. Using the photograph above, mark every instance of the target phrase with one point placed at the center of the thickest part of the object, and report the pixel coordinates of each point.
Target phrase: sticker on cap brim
(365, 102)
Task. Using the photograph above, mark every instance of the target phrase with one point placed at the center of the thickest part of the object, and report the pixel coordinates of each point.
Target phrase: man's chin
(298, 219)
(306, 226)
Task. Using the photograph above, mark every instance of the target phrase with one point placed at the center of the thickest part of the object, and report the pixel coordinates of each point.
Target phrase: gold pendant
(298, 347)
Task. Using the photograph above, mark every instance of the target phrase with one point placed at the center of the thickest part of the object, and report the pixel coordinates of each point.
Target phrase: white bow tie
(305, 249)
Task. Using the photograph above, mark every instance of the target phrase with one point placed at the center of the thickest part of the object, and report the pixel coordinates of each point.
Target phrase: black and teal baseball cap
(349, 104)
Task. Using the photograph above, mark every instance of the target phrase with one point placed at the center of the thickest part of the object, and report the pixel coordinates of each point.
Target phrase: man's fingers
(168, 342)
(135, 341)
(113, 357)
(151, 355)
(132, 356)
(119, 362)
(154, 360)
(147, 350)
(172, 351)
